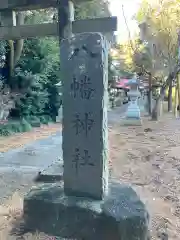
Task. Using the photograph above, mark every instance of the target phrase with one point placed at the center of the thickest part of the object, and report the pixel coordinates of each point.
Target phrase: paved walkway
(21, 165)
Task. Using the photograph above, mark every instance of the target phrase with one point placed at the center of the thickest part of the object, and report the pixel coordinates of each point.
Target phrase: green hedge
(37, 121)
(45, 119)
(24, 125)
(11, 127)
(34, 121)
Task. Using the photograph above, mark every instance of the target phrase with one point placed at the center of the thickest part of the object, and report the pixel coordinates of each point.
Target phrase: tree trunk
(171, 76)
(156, 112)
(176, 102)
(156, 109)
(170, 96)
(8, 61)
(178, 87)
(11, 58)
(150, 94)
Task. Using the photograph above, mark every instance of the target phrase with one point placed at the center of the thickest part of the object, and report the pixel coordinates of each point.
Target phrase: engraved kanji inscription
(76, 159)
(82, 158)
(83, 125)
(86, 159)
(82, 88)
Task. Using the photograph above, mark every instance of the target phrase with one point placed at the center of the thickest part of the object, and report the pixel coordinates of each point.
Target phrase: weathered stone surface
(84, 66)
(121, 215)
(52, 173)
(133, 110)
(133, 114)
(131, 122)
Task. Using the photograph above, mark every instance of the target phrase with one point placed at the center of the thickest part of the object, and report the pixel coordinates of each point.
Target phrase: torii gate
(66, 25)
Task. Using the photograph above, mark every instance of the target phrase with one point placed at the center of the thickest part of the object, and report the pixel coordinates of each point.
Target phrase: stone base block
(52, 173)
(132, 122)
(133, 114)
(133, 111)
(120, 216)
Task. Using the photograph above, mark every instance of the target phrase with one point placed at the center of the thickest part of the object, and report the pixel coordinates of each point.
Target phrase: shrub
(4, 130)
(33, 121)
(7, 129)
(48, 118)
(43, 120)
(26, 127)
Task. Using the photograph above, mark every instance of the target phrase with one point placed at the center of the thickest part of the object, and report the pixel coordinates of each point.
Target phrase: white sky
(130, 8)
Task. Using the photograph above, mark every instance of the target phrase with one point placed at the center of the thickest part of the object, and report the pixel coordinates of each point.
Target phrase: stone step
(52, 173)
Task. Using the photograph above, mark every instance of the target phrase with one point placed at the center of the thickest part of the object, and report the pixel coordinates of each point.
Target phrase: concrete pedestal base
(133, 115)
(133, 111)
(132, 122)
(121, 215)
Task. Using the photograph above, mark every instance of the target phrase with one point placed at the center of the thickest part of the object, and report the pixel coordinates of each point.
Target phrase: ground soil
(147, 157)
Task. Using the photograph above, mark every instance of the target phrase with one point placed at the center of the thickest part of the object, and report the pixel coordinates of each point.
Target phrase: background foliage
(37, 69)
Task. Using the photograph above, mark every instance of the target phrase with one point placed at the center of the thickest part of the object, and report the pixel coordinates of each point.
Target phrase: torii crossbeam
(10, 31)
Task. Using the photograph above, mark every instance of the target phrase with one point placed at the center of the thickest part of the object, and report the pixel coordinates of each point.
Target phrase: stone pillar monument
(85, 206)
(84, 63)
